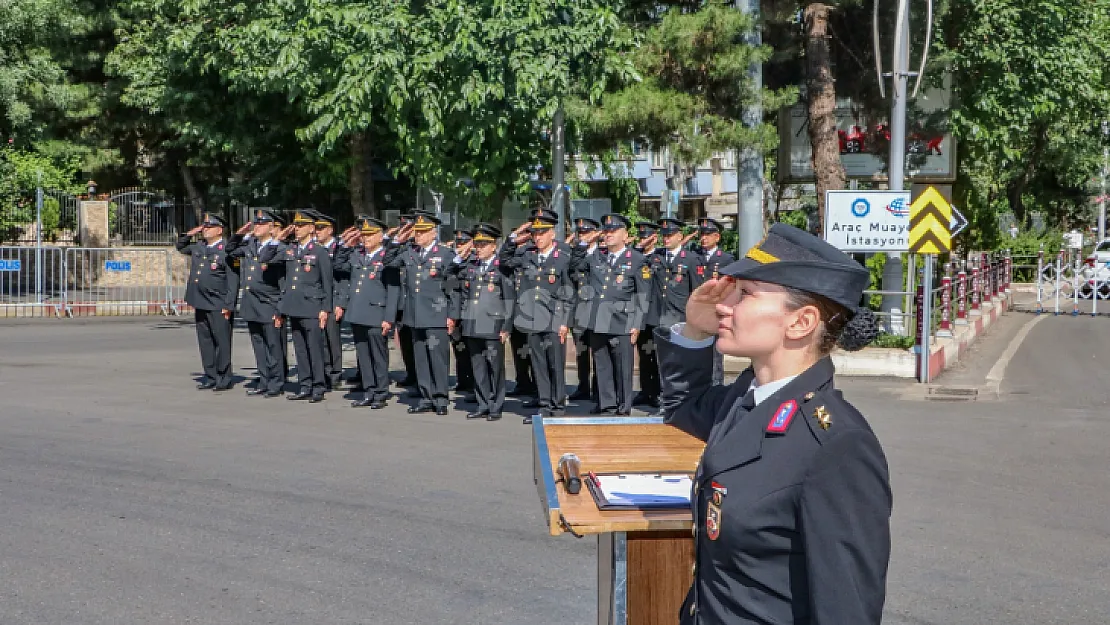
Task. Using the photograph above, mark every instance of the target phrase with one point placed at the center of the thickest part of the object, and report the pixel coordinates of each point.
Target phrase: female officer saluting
(791, 498)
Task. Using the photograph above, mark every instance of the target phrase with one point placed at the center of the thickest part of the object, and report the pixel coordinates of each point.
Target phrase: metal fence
(31, 219)
(32, 281)
(138, 216)
(114, 281)
(1064, 280)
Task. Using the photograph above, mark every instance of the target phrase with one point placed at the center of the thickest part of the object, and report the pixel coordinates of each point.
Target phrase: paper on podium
(640, 490)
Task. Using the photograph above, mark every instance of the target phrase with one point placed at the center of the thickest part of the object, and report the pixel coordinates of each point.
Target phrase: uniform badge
(782, 417)
(645, 272)
(555, 254)
(467, 284)
(716, 275)
(220, 247)
(713, 512)
(824, 419)
(432, 272)
(214, 266)
(490, 287)
(701, 271)
(551, 279)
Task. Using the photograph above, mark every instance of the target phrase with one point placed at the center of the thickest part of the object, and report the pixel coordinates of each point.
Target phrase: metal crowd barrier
(1066, 279)
(32, 281)
(118, 281)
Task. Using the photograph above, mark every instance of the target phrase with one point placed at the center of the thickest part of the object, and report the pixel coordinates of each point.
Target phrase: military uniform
(545, 301)
(587, 376)
(309, 289)
(369, 300)
(404, 332)
(711, 262)
(464, 372)
(213, 288)
(483, 310)
(791, 499)
(333, 340)
(616, 298)
(427, 305)
(260, 297)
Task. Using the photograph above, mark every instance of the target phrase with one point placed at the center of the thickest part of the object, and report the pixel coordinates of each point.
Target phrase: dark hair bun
(859, 332)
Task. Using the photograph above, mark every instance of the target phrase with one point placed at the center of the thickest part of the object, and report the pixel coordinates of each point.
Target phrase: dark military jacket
(427, 296)
(261, 282)
(483, 306)
(212, 283)
(341, 277)
(710, 265)
(580, 276)
(791, 500)
(614, 298)
(309, 278)
(544, 287)
(371, 296)
(671, 285)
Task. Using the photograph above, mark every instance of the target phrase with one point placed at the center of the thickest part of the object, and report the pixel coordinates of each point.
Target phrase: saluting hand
(687, 238)
(245, 228)
(195, 231)
(701, 308)
(649, 242)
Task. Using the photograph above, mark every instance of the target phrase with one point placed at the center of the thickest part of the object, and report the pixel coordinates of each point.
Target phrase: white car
(1096, 272)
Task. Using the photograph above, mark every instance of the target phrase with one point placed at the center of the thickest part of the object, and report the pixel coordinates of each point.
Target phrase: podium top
(609, 445)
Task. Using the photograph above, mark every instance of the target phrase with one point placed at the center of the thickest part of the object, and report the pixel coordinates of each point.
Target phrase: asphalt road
(129, 497)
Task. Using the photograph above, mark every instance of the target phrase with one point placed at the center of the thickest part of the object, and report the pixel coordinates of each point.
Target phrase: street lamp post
(1102, 198)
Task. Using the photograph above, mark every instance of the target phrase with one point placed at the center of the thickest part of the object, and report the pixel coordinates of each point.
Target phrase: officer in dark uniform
(261, 294)
(404, 332)
(333, 343)
(712, 259)
(369, 304)
(464, 374)
(427, 306)
(618, 288)
(545, 301)
(306, 300)
(482, 312)
(672, 273)
(212, 290)
(791, 499)
(586, 230)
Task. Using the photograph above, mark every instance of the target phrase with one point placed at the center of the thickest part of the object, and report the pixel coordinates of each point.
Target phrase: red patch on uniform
(784, 414)
(701, 270)
(220, 246)
(628, 254)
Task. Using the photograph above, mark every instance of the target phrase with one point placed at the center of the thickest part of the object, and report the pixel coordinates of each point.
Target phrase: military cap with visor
(615, 221)
(486, 233)
(369, 225)
(212, 220)
(708, 226)
(424, 221)
(668, 226)
(585, 224)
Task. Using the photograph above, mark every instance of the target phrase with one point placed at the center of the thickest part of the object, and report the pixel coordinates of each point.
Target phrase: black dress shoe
(527, 420)
(555, 411)
(476, 415)
(256, 391)
(414, 393)
(299, 396)
(653, 402)
(623, 413)
(494, 416)
(206, 386)
(533, 403)
(640, 398)
(272, 394)
(441, 411)
(407, 382)
(521, 392)
(597, 410)
(219, 388)
(470, 399)
(316, 399)
(421, 408)
(362, 403)
(579, 396)
(377, 405)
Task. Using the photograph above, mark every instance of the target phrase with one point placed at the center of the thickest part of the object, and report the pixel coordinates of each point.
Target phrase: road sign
(930, 216)
(117, 265)
(11, 265)
(958, 223)
(868, 221)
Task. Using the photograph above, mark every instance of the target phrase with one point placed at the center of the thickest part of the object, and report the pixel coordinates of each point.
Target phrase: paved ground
(128, 497)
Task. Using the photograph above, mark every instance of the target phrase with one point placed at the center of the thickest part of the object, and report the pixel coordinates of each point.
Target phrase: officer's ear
(802, 323)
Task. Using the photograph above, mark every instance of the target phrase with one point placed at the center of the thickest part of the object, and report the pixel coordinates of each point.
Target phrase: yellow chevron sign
(930, 216)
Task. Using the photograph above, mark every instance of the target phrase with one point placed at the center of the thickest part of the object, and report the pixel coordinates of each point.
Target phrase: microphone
(568, 468)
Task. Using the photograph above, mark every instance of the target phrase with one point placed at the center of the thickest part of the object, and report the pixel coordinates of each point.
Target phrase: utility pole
(749, 161)
(892, 270)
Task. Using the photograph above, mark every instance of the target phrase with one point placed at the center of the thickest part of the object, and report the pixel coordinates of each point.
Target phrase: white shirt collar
(764, 391)
(215, 243)
(374, 251)
(326, 244)
(710, 252)
(543, 255)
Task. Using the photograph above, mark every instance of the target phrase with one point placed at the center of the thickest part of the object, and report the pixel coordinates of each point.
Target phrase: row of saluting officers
(595, 287)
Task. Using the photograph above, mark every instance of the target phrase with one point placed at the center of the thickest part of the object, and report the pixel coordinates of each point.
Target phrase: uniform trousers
(333, 351)
(525, 383)
(404, 336)
(214, 338)
(548, 357)
(487, 359)
(309, 347)
(586, 373)
(268, 357)
(613, 358)
(464, 369)
(372, 352)
(432, 352)
(649, 364)
(284, 348)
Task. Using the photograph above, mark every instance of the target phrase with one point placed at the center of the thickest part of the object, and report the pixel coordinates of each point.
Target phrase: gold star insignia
(824, 419)
(810, 396)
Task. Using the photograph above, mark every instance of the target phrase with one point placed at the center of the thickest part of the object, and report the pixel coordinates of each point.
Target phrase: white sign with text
(868, 221)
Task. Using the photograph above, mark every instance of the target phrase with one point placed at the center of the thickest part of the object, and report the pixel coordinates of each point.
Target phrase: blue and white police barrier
(32, 281)
(119, 281)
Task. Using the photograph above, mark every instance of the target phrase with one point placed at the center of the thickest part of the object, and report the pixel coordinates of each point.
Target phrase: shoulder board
(628, 253)
(497, 262)
(556, 254)
(310, 246)
(220, 246)
(682, 254)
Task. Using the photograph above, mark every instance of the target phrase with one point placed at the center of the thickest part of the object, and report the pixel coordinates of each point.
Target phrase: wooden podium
(644, 558)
